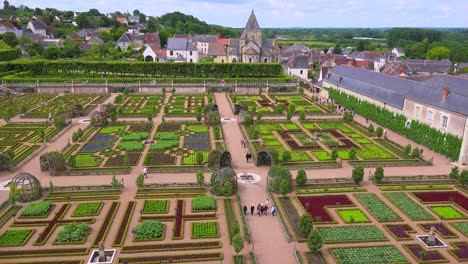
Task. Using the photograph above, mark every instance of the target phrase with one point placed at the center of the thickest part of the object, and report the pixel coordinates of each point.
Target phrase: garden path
(269, 243)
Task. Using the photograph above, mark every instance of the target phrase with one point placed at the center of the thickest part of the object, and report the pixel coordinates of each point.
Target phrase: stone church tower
(251, 47)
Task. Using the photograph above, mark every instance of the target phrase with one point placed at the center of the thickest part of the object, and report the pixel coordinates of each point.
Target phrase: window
(302, 71)
(444, 122)
(430, 116)
(265, 60)
(234, 60)
(222, 61)
(417, 112)
(250, 60)
(171, 53)
(190, 53)
(191, 60)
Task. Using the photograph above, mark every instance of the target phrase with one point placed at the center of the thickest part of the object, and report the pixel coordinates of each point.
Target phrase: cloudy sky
(288, 13)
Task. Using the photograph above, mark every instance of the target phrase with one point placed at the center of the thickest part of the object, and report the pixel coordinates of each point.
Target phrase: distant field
(311, 44)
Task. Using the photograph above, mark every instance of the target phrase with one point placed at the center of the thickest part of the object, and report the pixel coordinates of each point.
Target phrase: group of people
(262, 209)
(244, 143)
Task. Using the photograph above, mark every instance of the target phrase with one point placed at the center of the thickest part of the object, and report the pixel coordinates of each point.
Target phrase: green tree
(407, 149)
(371, 128)
(114, 182)
(285, 186)
(379, 174)
(301, 177)
(199, 116)
(6, 5)
(360, 46)
(314, 241)
(10, 153)
(352, 154)
(463, 178)
(14, 194)
(199, 158)
(10, 39)
(306, 223)
(71, 49)
(140, 180)
(438, 53)
(416, 153)
(237, 243)
(200, 177)
(289, 115)
(379, 132)
(358, 175)
(259, 116)
(286, 155)
(337, 49)
(454, 173)
(52, 52)
(334, 154)
(302, 116)
(248, 120)
(149, 116)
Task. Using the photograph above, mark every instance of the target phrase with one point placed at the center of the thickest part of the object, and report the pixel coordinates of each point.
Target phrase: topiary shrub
(223, 182)
(301, 177)
(279, 180)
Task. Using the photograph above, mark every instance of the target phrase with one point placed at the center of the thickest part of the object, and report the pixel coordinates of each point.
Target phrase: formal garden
(138, 105)
(343, 212)
(164, 223)
(319, 143)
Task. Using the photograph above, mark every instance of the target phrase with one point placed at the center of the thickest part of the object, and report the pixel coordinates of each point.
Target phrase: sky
(288, 13)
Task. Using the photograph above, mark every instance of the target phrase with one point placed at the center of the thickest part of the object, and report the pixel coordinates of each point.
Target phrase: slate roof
(216, 49)
(205, 38)
(133, 18)
(38, 25)
(393, 90)
(456, 85)
(268, 43)
(180, 44)
(300, 61)
(234, 42)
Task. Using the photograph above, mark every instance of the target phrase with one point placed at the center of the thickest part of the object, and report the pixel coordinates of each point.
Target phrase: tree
(301, 177)
(306, 223)
(438, 53)
(379, 132)
(200, 178)
(334, 154)
(285, 186)
(289, 115)
(259, 116)
(286, 155)
(140, 180)
(149, 116)
(360, 46)
(454, 173)
(371, 128)
(302, 116)
(198, 116)
(407, 149)
(10, 153)
(114, 182)
(237, 243)
(10, 39)
(51, 187)
(352, 154)
(358, 175)
(248, 120)
(463, 178)
(82, 21)
(314, 241)
(199, 158)
(8, 93)
(14, 194)
(71, 49)
(6, 5)
(337, 49)
(416, 154)
(379, 174)
(52, 52)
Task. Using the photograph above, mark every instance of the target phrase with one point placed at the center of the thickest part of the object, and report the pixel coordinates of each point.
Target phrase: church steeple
(252, 30)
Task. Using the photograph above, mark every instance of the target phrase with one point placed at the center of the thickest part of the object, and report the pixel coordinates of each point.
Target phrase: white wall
(301, 73)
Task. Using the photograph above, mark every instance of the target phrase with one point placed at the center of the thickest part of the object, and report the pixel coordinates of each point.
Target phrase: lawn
(352, 216)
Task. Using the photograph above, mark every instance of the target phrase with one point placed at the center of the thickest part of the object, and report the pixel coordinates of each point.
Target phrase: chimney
(445, 94)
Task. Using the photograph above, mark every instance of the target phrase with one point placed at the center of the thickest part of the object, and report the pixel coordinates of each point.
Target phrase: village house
(38, 27)
(202, 42)
(218, 52)
(416, 67)
(298, 66)
(153, 53)
(399, 52)
(439, 101)
(181, 50)
(130, 40)
(10, 27)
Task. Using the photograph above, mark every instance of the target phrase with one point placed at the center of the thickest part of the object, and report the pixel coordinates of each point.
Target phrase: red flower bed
(315, 205)
(400, 231)
(51, 226)
(173, 246)
(430, 255)
(125, 222)
(441, 228)
(43, 252)
(462, 252)
(431, 197)
(264, 103)
(106, 224)
(173, 258)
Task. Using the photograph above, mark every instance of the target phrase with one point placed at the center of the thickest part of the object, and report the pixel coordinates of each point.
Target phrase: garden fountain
(430, 240)
(102, 256)
(247, 177)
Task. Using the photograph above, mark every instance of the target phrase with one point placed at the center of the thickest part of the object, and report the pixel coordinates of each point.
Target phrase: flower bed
(352, 216)
(443, 231)
(95, 147)
(192, 158)
(196, 257)
(461, 251)
(434, 197)
(35, 210)
(203, 203)
(424, 256)
(461, 226)
(292, 216)
(12, 238)
(8, 214)
(164, 144)
(447, 212)
(122, 232)
(198, 145)
(315, 205)
(131, 146)
(135, 136)
(400, 231)
(111, 129)
(172, 247)
(155, 207)
(414, 187)
(103, 138)
(408, 206)
(365, 255)
(33, 253)
(350, 234)
(149, 230)
(330, 190)
(159, 158)
(230, 216)
(88, 209)
(87, 160)
(205, 230)
(102, 233)
(377, 207)
(198, 137)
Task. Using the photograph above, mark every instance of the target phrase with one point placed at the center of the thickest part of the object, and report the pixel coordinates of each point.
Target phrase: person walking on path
(267, 202)
(247, 157)
(273, 211)
(245, 209)
(265, 209)
(242, 142)
(145, 172)
(252, 209)
(259, 209)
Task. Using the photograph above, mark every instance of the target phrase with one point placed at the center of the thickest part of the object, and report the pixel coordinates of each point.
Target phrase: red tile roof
(9, 25)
